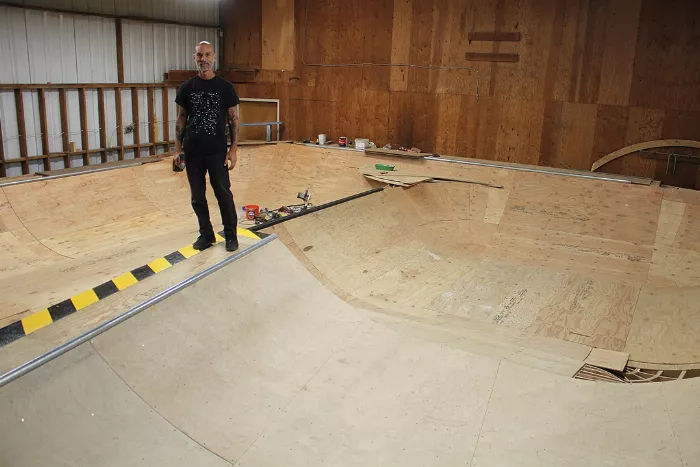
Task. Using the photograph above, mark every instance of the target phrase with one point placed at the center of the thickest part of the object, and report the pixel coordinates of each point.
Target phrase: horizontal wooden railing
(68, 149)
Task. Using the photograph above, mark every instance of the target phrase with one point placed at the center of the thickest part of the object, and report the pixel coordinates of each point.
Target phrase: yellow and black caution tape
(43, 318)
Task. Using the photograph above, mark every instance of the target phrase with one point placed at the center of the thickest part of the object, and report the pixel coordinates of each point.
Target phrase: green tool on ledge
(387, 168)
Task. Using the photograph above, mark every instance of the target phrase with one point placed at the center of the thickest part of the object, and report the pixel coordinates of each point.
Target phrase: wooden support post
(22, 130)
(166, 117)
(103, 122)
(135, 117)
(151, 119)
(3, 167)
(44, 129)
(85, 136)
(120, 51)
(120, 123)
(65, 131)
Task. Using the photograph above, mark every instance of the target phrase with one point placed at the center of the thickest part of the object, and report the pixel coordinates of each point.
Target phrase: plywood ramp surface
(259, 364)
(553, 256)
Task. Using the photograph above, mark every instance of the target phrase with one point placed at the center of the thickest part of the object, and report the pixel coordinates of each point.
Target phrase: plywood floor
(259, 364)
(590, 262)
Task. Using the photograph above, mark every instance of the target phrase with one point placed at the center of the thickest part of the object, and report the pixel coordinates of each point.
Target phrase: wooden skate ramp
(63, 236)
(605, 264)
(259, 364)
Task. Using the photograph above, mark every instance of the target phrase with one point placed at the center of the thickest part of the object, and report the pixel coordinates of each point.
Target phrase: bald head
(205, 57)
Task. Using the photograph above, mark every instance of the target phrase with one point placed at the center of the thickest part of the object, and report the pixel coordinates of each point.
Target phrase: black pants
(197, 166)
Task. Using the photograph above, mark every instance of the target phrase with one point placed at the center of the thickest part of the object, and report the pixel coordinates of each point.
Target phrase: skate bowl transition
(441, 324)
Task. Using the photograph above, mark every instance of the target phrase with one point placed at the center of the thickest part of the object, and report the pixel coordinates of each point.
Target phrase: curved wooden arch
(660, 143)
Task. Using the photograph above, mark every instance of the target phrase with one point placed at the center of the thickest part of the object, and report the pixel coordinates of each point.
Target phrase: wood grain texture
(84, 128)
(136, 121)
(242, 24)
(593, 76)
(65, 137)
(21, 130)
(494, 36)
(3, 166)
(278, 34)
(44, 128)
(152, 130)
(120, 122)
(495, 57)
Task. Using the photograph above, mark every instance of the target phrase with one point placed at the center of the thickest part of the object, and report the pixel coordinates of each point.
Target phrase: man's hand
(231, 158)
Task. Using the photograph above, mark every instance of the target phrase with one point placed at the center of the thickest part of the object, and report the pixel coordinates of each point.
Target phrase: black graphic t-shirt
(206, 102)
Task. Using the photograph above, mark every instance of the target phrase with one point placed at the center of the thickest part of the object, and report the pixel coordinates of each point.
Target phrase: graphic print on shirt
(205, 107)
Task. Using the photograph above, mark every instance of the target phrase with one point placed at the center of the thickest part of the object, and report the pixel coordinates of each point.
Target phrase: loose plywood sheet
(608, 359)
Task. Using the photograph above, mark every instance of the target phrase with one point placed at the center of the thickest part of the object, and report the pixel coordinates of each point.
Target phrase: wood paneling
(277, 35)
(242, 23)
(592, 76)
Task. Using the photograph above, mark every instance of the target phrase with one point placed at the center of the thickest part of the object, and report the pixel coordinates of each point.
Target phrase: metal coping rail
(527, 169)
(72, 174)
(86, 336)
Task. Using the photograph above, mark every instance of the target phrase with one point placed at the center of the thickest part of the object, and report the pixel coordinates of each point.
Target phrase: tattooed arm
(180, 128)
(232, 119)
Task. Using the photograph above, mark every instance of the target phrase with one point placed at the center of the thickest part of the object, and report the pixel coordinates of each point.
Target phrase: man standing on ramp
(206, 104)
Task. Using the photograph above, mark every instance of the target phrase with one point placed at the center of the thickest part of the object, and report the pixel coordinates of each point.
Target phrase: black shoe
(232, 244)
(203, 242)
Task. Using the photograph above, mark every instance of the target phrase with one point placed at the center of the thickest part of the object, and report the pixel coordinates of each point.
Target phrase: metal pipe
(86, 336)
(311, 210)
(52, 177)
(526, 169)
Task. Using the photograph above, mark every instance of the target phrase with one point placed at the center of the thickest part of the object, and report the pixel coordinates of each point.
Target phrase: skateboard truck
(305, 197)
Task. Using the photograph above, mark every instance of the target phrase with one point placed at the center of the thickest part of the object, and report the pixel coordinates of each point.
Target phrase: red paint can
(251, 210)
(342, 142)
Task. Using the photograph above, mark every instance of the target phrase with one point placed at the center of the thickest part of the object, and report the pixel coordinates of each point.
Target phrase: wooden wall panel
(277, 35)
(242, 23)
(619, 51)
(610, 134)
(667, 62)
(594, 45)
(520, 130)
(592, 77)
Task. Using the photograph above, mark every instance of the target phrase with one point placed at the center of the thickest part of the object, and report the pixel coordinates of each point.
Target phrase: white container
(361, 143)
(322, 139)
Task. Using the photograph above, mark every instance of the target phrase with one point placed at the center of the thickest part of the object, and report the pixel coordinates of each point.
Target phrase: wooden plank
(242, 25)
(142, 160)
(166, 114)
(393, 152)
(103, 122)
(151, 119)
(120, 122)
(401, 45)
(495, 57)
(3, 166)
(84, 129)
(120, 51)
(609, 359)
(234, 76)
(82, 86)
(65, 128)
(22, 130)
(619, 51)
(44, 128)
(278, 35)
(494, 36)
(135, 120)
(677, 143)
